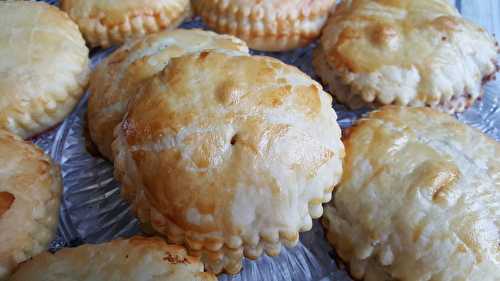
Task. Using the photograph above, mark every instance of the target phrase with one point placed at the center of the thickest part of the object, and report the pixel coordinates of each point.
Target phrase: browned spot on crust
(419, 229)
(174, 259)
(6, 201)
(203, 55)
(228, 93)
(445, 23)
(337, 55)
(383, 34)
(275, 97)
(445, 181)
(309, 100)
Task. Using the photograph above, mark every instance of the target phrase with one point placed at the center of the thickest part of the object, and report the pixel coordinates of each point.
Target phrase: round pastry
(44, 66)
(30, 188)
(412, 53)
(118, 78)
(134, 259)
(229, 155)
(110, 22)
(267, 25)
(420, 199)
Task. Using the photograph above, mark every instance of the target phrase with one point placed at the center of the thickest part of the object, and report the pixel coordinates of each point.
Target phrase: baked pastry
(412, 53)
(420, 199)
(134, 259)
(230, 155)
(111, 22)
(267, 25)
(118, 78)
(44, 66)
(30, 188)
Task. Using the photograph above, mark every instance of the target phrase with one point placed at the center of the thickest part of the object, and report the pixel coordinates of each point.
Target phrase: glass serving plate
(93, 212)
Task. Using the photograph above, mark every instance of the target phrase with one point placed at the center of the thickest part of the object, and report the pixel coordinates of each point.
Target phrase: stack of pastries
(223, 155)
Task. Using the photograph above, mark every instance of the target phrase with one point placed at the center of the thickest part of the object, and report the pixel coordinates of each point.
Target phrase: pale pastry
(419, 199)
(30, 191)
(112, 22)
(230, 155)
(134, 259)
(267, 25)
(118, 78)
(403, 52)
(44, 66)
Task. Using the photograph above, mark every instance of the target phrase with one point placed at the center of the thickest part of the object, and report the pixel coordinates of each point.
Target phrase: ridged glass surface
(93, 212)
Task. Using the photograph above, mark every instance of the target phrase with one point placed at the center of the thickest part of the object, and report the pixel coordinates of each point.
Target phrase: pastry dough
(267, 25)
(44, 66)
(412, 53)
(420, 199)
(110, 22)
(118, 78)
(230, 155)
(30, 188)
(135, 259)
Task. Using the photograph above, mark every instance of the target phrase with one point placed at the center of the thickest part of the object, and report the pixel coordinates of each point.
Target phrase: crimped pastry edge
(350, 266)
(259, 33)
(213, 246)
(27, 125)
(218, 254)
(357, 265)
(356, 97)
(98, 34)
(25, 122)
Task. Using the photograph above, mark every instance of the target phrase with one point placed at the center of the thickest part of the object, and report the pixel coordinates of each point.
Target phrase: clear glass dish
(93, 212)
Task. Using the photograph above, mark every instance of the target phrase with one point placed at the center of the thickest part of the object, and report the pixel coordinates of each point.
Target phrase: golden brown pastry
(412, 53)
(229, 154)
(267, 25)
(44, 66)
(118, 78)
(111, 22)
(134, 259)
(30, 188)
(419, 199)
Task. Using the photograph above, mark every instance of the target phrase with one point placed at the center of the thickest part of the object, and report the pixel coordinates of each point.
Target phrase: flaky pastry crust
(119, 77)
(267, 25)
(30, 188)
(230, 155)
(112, 22)
(44, 66)
(134, 259)
(420, 199)
(412, 53)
